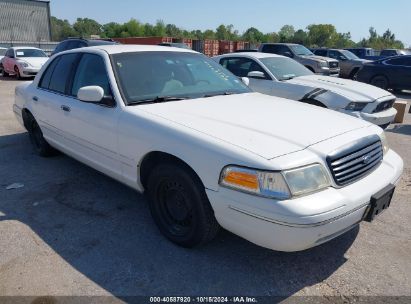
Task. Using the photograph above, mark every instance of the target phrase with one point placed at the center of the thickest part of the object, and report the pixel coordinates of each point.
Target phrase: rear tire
(17, 71)
(180, 207)
(40, 145)
(353, 74)
(380, 81)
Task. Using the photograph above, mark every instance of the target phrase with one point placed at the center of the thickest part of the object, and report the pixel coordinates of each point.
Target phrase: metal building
(25, 21)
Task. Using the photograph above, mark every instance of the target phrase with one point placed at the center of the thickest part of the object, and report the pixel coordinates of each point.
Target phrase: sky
(355, 16)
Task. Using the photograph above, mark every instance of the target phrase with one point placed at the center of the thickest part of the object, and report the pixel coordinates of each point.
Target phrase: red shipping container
(226, 46)
(239, 45)
(144, 40)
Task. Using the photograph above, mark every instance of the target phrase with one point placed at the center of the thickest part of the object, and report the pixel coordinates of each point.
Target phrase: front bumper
(277, 225)
(383, 118)
(334, 72)
(29, 71)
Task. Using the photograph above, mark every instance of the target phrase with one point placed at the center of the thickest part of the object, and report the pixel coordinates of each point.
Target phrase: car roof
(24, 47)
(131, 48)
(257, 55)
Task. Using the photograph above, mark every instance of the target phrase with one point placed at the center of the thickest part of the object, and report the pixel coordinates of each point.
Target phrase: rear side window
(62, 73)
(45, 80)
(397, 61)
(91, 71)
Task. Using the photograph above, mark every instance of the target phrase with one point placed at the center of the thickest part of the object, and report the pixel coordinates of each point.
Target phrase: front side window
(349, 55)
(301, 50)
(22, 53)
(321, 53)
(242, 66)
(91, 71)
(62, 72)
(10, 53)
(285, 68)
(148, 75)
(2, 52)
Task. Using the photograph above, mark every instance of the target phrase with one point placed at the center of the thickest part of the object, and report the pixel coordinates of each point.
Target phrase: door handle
(65, 108)
(35, 98)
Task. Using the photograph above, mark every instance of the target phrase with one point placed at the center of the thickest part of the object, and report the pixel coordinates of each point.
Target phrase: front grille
(384, 106)
(356, 160)
(333, 64)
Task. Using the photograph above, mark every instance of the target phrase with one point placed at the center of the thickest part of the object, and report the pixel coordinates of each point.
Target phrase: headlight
(323, 64)
(267, 184)
(307, 179)
(384, 142)
(23, 64)
(278, 185)
(356, 106)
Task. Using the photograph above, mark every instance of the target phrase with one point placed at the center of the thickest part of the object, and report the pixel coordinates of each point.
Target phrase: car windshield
(301, 50)
(144, 76)
(405, 52)
(285, 68)
(21, 53)
(349, 55)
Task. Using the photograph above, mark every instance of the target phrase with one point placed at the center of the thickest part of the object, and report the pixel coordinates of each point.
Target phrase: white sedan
(283, 77)
(23, 61)
(206, 150)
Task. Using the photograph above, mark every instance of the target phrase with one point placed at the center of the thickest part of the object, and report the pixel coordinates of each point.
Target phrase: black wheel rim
(175, 208)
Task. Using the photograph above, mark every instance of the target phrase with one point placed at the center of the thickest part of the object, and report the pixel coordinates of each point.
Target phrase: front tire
(40, 145)
(180, 207)
(17, 71)
(380, 81)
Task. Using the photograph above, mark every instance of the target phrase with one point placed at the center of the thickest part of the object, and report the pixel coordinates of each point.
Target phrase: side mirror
(245, 80)
(92, 94)
(288, 54)
(256, 75)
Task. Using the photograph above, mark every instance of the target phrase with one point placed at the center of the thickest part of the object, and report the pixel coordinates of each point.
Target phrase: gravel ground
(73, 231)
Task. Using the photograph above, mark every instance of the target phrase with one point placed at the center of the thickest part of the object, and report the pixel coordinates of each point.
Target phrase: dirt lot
(73, 231)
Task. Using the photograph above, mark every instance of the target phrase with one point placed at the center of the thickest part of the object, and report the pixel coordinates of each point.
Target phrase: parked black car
(388, 73)
(394, 52)
(76, 43)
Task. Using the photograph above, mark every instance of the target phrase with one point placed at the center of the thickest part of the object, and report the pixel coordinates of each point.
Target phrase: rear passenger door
(399, 72)
(51, 94)
(91, 129)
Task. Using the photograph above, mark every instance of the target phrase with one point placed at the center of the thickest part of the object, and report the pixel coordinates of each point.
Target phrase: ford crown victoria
(206, 150)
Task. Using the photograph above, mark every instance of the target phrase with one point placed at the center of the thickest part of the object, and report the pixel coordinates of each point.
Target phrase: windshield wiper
(158, 99)
(218, 94)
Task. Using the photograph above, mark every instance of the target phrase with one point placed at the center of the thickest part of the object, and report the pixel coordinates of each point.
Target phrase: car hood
(318, 58)
(264, 125)
(353, 90)
(34, 61)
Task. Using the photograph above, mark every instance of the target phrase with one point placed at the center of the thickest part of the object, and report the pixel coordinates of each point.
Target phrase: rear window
(62, 72)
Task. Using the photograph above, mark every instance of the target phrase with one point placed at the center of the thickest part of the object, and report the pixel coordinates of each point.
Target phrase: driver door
(241, 67)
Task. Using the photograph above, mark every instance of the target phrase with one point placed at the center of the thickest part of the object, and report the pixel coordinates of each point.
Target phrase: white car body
(250, 130)
(27, 66)
(334, 93)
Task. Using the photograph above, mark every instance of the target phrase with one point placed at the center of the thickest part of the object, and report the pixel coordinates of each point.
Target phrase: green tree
(112, 30)
(61, 29)
(159, 29)
(173, 31)
(209, 34)
(86, 27)
(321, 35)
(300, 37)
(133, 28)
(253, 35)
(286, 33)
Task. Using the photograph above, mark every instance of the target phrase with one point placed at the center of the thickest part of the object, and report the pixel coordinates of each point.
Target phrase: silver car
(350, 64)
(298, 52)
